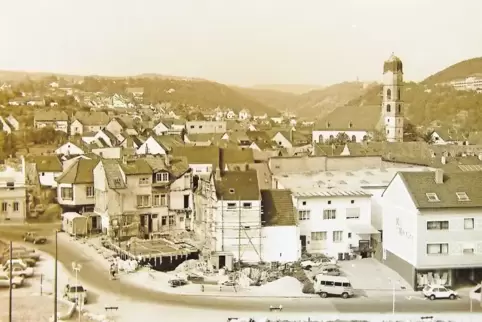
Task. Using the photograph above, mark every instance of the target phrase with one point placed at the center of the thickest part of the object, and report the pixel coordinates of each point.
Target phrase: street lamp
(76, 267)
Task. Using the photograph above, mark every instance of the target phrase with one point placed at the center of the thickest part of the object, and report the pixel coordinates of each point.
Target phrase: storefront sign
(401, 231)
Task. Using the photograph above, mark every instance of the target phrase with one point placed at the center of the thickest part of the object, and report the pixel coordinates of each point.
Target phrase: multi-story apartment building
(433, 227)
(13, 191)
(143, 196)
(200, 127)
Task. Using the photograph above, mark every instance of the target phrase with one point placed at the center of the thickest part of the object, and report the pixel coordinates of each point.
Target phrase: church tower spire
(392, 104)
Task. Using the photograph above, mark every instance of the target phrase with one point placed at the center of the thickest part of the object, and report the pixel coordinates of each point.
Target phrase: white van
(333, 285)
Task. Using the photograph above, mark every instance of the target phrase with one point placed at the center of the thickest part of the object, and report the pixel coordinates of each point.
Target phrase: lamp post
(10, 295)
(55, 277)
(76, 267)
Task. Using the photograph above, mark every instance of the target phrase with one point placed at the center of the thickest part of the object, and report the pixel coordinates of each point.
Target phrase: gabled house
(12, 122)
(121, 126)
(159, 145)
(162, 127)
(199, 139)
(48, 167)
(75, 189)
(58, 120)
(442, 136)
(69, 148)
(88, 122)
(244, 114)
(432, 223)
(106, 139)
(4, 126)
(231, 115)
(13, 191)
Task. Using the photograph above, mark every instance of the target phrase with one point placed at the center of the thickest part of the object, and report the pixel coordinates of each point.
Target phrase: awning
(362, 228)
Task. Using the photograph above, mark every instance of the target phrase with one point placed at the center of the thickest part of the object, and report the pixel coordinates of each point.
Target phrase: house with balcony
(432, 227)
(83, 122)
(237, 218)
(13, 191)
(59, 120)
(75, 189)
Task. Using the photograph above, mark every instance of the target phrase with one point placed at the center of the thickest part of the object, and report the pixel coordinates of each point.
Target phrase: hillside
(460, 70)
(429, 105)
(288, 88)
(314, 104)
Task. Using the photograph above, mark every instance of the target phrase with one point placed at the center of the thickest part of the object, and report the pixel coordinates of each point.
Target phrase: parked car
(332, 270)
(228, 283)
(177, 282)
(22, 253)
(308, 264)
(333, 285)
(19, 268)
(434, 292)
(75, 293)
(33, 237)
(28, 261)
(17, 281)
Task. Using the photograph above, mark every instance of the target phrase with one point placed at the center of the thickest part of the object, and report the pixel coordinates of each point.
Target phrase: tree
(342, 138)
(378, 136)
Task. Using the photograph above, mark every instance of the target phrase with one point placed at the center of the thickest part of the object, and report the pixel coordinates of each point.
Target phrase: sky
(242, 42)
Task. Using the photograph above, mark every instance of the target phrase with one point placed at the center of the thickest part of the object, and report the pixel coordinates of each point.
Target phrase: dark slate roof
(168, 142)
(237, 155)
(238, 185)
(351, 118)
(80, 172)
(450, 134)
(48, 163)
(278, 208)
(177, 165)
(257, 136)
(136, 167)
(420, 183)
(198, 154)
(51, 116)
(92, 118)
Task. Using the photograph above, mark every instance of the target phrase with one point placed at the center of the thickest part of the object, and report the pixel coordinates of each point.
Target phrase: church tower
(392, 105)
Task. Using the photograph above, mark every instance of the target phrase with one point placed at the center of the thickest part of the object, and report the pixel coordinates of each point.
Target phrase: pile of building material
(285, 286)
(194, 267)
(127, 266)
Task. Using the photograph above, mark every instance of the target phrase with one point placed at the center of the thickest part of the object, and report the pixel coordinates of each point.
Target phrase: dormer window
(462, 196)
(432, 197)
(162, 177)
(231, 190)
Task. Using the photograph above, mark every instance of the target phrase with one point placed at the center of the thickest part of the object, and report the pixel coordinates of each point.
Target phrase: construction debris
(288, 286)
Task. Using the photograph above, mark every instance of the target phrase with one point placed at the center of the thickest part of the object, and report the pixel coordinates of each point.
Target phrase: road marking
(415, 298)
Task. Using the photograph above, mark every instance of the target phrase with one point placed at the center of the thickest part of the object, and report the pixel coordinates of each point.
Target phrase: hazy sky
(239, 42)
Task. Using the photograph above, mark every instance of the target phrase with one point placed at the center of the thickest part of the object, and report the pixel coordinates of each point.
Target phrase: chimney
(443, 159)
(327, 124)
(350, 125)
(221, 161)
(480, 156)
(167, 160)
(291, 135)
(246, 167)
(439, 176)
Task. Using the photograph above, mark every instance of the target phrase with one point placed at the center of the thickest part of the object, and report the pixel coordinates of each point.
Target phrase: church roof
(393, 64)
(351, 118)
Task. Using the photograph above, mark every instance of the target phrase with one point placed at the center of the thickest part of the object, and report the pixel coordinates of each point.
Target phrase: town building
(201, 127)
(432, 224)
(471, 83)
(83, 122)
(58, 120)
(13, 191)
(48, 168)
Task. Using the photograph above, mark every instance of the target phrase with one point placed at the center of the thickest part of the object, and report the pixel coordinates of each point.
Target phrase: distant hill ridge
(459, 70)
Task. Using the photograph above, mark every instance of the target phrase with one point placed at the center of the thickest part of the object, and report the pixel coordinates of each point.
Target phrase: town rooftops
(135, 167)
(50, 116)
(92, 118)
(278, 208)
(177, 166)
(47, 163)
(238, 185)
(431, 190)
(113, 174)
(81, 172)
(350, 118)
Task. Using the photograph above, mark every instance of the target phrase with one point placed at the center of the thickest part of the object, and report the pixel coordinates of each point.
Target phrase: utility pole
(10, 295)
(55, 277)
(222, 224)
(76, 268)
(239, 234)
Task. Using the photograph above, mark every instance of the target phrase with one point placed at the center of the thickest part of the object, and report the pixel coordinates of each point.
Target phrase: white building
(392, 105)
(238, 217)
(69, 149)
(471, 83)
(244, 114)
(433, 227)
(13, 192)
(48, 167)
(280, 234)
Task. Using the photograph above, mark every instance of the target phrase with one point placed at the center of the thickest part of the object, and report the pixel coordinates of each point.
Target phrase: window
(329, 214)
(247, 205)
(352, 213)
(469, 223)
(337, 236)
(318, 235)
(142, 201)
(89, 191)
(143, 181)
(438, 225)
(304, 203)
(231, 205)
(4, 207)
(349, 235)
(329, 202)
(66, 193)
(432, 197)
(388, 108)
(172, 220)
(162, 177)
(437, 249)
(159, 200)
(389, 94)
(15, 206)
(352, 201)
(399, 109)
(304, 214)
(462, 196)
(164, 220)
(231, 191)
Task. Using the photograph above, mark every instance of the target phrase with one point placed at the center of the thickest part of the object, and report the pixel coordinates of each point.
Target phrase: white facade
(160, 129)
(334, 222)
(47, 179)
(238, 229)
(472, 83)
(392, 105)
(282, 141)
(244, 114)
(151, 146)
(57, 125)
(280, 244)
(69, 149)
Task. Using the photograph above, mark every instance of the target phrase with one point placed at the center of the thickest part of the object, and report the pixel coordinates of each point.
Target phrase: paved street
(96, 277)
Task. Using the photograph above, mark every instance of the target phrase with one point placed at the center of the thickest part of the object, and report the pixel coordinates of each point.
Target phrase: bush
(308, 288)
